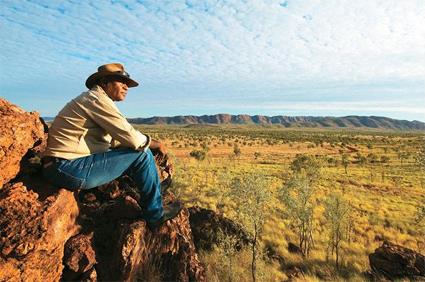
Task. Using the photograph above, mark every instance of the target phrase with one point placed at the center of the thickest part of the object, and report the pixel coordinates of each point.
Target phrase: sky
(287, 57)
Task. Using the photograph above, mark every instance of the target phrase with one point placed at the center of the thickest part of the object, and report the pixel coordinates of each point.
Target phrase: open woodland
(333, 195)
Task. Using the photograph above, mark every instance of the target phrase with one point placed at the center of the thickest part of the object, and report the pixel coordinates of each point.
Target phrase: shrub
(198, 155)
(236, 150)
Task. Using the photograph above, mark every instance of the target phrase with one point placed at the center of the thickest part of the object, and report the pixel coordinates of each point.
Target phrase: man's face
(116, 90)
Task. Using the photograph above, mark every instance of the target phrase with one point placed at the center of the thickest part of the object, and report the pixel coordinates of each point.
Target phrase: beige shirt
(89, 124)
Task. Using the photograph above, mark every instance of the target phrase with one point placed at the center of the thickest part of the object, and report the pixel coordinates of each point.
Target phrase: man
(91, 143)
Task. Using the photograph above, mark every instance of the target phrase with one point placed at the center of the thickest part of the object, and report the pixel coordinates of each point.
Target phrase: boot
(165, 184)
(170, 211)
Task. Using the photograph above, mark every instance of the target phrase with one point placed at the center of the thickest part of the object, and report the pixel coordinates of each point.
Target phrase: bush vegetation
(322, 188)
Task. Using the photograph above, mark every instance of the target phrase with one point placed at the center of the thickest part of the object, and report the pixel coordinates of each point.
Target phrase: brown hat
(115, 69)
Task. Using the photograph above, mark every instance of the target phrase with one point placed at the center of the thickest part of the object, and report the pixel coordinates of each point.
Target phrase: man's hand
(158, 148)
(160, 152)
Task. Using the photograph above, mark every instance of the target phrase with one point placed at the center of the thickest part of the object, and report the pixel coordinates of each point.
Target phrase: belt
(47, 161)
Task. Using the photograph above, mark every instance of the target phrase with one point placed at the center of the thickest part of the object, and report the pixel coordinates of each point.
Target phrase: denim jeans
(97, 169)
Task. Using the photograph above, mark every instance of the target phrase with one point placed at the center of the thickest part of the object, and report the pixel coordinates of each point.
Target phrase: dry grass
(384, 208)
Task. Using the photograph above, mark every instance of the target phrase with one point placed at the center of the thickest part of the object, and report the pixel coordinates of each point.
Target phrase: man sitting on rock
(91, 143)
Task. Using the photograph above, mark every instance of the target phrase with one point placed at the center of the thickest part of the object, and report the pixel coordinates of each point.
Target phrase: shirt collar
(99, 90)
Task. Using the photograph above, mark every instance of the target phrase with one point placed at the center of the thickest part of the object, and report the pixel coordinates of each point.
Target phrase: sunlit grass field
(379, 179)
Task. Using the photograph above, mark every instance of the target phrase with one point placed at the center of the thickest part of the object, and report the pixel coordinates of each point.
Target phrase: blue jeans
(97, 169)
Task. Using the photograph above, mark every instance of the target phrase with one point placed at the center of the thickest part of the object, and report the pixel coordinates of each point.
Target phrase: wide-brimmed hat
(114, 69)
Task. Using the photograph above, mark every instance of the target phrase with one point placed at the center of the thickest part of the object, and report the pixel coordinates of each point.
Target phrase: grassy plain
(379, 179)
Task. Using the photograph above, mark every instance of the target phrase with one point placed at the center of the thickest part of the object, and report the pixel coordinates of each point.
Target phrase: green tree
(402, 155)
(236, 150)
(420, 213)
(371, 159)
(308, 165)
(251, 195)
(205, 147)
(384, 160)
(420, 223)
(297, 196)
(345, 162)
(361, 160)
(420, 156)
(337, 214)
(228, 246)
(420, 162)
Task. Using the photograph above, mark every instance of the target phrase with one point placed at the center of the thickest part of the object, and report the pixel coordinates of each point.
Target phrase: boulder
(19, 132)
(170, 251)
(79, 258)
(394, 262)
(272, 254)
(293, 248)
(206, 225)
(34, 233)
(126, 249)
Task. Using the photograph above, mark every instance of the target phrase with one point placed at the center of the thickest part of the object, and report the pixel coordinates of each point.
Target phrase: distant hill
(372, 122)
(48, 119)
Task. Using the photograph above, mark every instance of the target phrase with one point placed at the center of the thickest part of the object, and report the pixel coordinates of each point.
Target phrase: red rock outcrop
(33, 233)
(51, 234)
(19, 131)
(170, 251)
(395, 262)
(125, 248)
(80, 258)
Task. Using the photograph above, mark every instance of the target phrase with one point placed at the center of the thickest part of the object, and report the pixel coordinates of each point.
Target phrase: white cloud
(232, 45)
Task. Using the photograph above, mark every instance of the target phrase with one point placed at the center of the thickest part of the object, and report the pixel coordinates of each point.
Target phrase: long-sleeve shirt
(91, 123)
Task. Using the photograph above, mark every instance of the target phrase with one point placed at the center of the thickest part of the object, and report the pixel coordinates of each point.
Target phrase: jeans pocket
(63, 179)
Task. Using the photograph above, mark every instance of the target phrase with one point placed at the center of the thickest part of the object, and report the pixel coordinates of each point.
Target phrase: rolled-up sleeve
(104, 113)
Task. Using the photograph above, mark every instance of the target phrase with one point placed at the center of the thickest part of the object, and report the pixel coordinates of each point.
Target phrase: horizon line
(314, 116)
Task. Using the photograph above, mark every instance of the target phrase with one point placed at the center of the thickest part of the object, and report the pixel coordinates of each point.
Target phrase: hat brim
(93, 79)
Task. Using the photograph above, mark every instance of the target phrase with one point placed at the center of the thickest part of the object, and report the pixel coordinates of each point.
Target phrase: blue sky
(288, 57)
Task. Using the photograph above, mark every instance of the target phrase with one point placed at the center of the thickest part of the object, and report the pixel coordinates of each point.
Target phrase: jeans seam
(82, 180)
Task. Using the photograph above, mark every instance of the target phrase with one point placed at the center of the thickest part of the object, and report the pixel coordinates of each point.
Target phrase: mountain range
(372, 122)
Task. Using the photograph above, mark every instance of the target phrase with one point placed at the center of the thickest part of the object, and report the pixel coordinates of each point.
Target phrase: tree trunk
(254, 254)
(230, 269)
(337, 253)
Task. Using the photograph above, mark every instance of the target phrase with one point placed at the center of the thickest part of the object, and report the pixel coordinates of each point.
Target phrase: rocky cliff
(49, 234)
